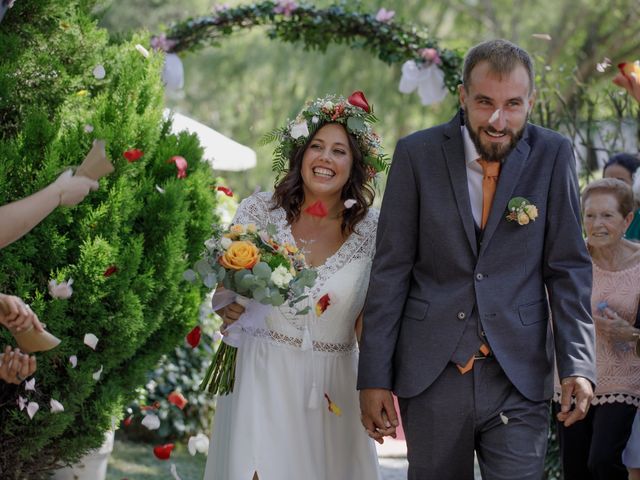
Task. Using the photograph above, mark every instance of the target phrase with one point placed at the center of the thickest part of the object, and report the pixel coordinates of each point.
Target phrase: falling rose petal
(504, 418)
(332, 407)
(494, 116)
(73, 360)
(127, 421)
(56, 406)
(385, 15)
(174, 472)
(143, 51)
(22, 402)
(146, 408)
(32, 408)
(542, 36)
(90, 340)
(110, 271)
(226, 190)
(323, 304)
(602, 66)
(133, 154)
(151, 421)
(96, 375)
(61, 290)
(193, 337)
(181, 165)
(198, 444)
(177, 399)
(350, 203)
(163, 452)
(99, 72)
(317, 209)
(160, 189)
(88, 128)
(30, 385)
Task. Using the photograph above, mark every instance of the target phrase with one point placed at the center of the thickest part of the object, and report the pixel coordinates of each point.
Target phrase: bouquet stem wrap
(220, 376)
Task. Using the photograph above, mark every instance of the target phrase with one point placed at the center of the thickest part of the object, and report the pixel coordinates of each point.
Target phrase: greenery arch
(316, 28)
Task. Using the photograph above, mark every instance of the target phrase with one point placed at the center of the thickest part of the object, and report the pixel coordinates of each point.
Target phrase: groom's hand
(581, 389)
(379, 416)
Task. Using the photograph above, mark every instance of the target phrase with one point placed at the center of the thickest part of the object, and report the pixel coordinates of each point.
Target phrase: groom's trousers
(482, 411)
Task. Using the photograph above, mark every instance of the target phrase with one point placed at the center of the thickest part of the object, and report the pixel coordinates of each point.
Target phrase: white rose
(300, 130)
(523, 218)
(281, 277)
(226, 242)
(531, 211)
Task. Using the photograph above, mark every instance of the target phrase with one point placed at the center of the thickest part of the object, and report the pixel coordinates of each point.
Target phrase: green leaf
(262, 271)
(516, 203)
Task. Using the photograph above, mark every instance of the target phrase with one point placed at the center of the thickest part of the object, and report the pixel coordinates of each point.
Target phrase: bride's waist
(297, 341)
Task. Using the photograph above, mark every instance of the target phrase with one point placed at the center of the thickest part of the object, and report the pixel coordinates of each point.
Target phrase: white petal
(99, 72)
(151, 421)
(96, 375)
(22, 402)
(174, 472)
(30, 385)
(160, 189)
(504, 418)
(143, 51)
(202, 443)
(349, 203)
(191, 446)
(56, 406)
(73, 360)
(494, 116)
(88, 128)
(542, 36)
(32, 408)
(90, 340)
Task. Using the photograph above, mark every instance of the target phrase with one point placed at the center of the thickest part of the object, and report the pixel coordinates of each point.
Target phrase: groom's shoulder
(545, 136)
(426, 135)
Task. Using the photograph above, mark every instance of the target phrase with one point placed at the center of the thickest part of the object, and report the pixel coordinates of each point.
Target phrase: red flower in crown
(357, 99)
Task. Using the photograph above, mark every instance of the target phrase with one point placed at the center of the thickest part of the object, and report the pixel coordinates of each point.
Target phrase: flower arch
(316, 28)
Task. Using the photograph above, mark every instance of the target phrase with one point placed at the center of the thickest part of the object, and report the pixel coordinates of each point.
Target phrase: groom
(466, 307)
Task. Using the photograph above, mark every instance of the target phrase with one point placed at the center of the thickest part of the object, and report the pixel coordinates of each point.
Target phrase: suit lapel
(509, 175)
(453, 148)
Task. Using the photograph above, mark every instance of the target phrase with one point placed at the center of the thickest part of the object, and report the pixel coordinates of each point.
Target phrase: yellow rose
(523, 218)
(251, 228)
(531, 211)
(237, 229)
(240, 255)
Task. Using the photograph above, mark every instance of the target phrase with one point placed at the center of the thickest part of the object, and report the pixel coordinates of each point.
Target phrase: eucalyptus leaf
(210, 280)
(203, 267)
(262, 271)
(190, 276)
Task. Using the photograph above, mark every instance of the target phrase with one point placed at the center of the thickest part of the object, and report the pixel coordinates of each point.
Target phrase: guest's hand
(72, 189)
(582, 390)
(230, 314)
(630, 83)
(16, 366)
(17, 315)
(614, 327)
(378, 413)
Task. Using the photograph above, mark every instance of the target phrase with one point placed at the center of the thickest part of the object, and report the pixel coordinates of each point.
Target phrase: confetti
(174, 472)
(349, 203)
(198, 444)
(226, 190)
(332, 407)
(494, 116)
(193, 337)
(32, 408)
(99, 72)
(61, 290)
(88, 128)
(90, 340)
(504, 418)
(542, 36)
(96, 375)
(317, 209)
(30, 385)
(22, 402)
(160, 189)
(323, 304)
(127, 421)
(110, 271)
(177, 399)
(163, 452)
(181, 165)
(151, 421)
(73, 360)
(143, 51)
(56, 406)
(133, 154)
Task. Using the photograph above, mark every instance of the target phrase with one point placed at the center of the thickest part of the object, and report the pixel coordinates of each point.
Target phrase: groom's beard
(495, 152)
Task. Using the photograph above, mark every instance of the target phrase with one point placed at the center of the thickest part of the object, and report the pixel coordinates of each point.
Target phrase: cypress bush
(126, 246)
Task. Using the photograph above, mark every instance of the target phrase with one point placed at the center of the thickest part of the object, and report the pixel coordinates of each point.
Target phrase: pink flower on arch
(430, 55)
(285, 7)
(385, 15)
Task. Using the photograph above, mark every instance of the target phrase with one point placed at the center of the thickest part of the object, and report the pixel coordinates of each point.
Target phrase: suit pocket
(535, 312)
(416, 308)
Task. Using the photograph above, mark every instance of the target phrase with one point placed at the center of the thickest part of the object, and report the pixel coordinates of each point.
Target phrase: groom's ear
(532, 99)
(462, 95)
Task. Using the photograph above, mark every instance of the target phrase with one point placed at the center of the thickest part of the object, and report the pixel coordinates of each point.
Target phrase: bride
(294, 411)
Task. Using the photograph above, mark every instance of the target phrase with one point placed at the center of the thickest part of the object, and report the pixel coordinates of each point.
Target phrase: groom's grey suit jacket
(432, 273)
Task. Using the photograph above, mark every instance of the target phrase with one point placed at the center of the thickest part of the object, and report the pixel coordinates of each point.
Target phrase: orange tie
(490, 172)
(465, 368)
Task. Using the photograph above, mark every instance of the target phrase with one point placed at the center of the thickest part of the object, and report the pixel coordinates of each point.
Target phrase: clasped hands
(16, 315)
(16, 366)
(379, 417)
(614, 327)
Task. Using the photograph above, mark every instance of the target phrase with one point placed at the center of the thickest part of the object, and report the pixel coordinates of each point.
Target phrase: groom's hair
(503, 57)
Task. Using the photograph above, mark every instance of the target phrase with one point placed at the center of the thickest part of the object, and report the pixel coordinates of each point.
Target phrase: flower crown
(353, 113)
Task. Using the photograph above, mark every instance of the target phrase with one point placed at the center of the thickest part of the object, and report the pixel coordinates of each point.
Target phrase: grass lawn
(136, 461)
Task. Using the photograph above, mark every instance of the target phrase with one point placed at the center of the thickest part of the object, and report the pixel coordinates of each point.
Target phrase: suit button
(462, 315)
(483, 334)
(479, 276)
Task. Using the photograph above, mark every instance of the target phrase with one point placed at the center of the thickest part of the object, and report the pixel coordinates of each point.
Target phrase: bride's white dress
(277, 421)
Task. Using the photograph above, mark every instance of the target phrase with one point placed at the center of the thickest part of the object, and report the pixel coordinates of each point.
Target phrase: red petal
(163, 452)
(357, 99)
(324, 303)
(193, 337)
(226, 190)
(127, 421)
(133, 154)
(177, 399)
(181, 165)
(110, 271)
(317, 209)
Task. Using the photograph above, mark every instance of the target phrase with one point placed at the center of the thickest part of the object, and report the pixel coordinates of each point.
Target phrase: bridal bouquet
(251, 265)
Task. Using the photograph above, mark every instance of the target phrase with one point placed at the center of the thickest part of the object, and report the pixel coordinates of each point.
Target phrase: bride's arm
(359, 326)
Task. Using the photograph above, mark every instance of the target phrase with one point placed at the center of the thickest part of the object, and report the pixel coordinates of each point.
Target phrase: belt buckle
(481, 356)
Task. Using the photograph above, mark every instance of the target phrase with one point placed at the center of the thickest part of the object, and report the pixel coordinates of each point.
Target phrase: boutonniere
(521, 210)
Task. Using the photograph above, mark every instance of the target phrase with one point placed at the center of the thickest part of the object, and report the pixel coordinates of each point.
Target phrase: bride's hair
(289, 191)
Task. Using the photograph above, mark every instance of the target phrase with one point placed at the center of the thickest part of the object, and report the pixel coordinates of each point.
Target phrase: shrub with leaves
(126, 246)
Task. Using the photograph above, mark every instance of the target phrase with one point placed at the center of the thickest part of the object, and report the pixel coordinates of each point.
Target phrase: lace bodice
(344, 277)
